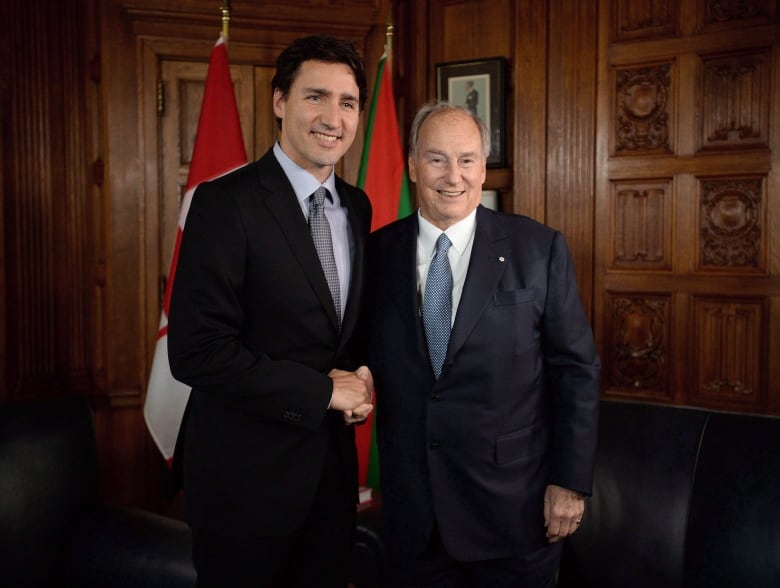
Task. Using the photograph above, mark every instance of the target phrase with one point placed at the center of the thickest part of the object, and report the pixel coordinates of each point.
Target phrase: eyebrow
(323, 92)
(458, 155)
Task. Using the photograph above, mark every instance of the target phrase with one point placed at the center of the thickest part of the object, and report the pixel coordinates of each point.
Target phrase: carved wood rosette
(639, 345)
(642, 110)
(735, 100)
(642, 225)
(731, 217)
(728, 334)
(719, 14)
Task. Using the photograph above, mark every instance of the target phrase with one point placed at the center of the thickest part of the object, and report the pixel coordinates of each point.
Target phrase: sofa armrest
(122, 547)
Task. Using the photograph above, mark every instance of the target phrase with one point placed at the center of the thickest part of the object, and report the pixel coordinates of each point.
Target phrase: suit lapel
(490, 255)
(402, 265)
(283, 205)
(352, 308)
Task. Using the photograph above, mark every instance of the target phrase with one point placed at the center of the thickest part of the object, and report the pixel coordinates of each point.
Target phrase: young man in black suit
(264, 306)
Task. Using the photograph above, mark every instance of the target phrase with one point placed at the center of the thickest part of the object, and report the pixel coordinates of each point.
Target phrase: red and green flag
(383, 177)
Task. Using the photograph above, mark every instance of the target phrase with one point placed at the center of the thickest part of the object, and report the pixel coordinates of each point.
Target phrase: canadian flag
(219, 149)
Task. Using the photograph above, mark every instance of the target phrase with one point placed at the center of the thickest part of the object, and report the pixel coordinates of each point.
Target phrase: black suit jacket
(515, 408)
(253, 330)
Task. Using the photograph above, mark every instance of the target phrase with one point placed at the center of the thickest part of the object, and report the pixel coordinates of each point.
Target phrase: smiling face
(449, 167)
(319, 116)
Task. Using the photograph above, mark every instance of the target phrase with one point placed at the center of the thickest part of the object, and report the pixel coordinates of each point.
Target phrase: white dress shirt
(461, 235)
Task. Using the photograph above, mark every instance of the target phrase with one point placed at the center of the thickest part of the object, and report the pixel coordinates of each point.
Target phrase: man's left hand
(563, 509)
(360, 414)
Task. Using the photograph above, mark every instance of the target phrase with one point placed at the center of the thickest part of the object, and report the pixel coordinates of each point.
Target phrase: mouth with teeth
(450, 194)
(326, 138)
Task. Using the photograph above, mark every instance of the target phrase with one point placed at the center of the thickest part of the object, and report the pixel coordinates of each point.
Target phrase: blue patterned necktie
(437, 305)
(323, 243)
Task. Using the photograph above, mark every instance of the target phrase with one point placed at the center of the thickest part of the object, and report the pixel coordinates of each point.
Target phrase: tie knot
(443, 243)
(318, 198)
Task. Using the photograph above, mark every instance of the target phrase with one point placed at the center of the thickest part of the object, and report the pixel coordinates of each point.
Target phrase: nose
(452, 172)
(330, 114)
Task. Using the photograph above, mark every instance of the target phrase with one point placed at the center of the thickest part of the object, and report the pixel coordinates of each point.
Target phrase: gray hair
(433, 108)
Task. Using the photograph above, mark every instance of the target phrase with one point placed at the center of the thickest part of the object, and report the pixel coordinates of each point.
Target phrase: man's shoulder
(512, 222)
(250, 171)
(390, 230)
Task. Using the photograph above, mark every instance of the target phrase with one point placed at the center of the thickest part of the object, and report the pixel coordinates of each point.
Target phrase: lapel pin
(501, 259)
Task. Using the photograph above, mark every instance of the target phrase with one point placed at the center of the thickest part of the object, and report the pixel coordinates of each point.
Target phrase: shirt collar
(303, 183)
(459, 234)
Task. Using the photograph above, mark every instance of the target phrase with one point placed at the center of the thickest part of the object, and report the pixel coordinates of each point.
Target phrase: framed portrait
(479, 86)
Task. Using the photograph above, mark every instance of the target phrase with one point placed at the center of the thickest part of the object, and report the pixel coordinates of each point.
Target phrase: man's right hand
(352, 392)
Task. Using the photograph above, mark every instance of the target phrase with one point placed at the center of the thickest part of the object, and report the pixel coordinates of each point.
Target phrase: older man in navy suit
(486, 373)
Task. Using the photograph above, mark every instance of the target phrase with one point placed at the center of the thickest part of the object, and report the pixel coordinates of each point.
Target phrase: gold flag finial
(389, 35)
(225, 10)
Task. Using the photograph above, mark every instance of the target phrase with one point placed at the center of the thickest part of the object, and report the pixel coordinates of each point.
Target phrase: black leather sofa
(55, 532)
(682, 498)
(53, 529)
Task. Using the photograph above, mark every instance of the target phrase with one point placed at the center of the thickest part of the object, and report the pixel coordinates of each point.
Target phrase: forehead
(326, 75)
(450, 131)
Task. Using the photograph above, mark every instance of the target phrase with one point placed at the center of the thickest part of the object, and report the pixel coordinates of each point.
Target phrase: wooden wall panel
(686, 112)
(732, 235)
(571, 103)
(639, 19)
(640, 331)
(530, 109)
(48, 239)
(735, 96)
(729, 366)
(644, 110)
(641, 225)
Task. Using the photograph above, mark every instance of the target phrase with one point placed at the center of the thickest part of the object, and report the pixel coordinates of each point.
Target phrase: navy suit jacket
(515, 408)
(253, 330)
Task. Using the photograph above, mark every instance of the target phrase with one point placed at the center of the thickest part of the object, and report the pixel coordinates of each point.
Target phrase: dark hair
(318, 48)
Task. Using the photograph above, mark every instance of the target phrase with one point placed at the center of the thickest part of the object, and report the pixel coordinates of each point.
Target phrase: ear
(413, 170)
(279, 103)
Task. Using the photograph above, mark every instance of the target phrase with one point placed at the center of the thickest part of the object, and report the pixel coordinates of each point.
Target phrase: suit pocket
(521, 445)
(509, 297)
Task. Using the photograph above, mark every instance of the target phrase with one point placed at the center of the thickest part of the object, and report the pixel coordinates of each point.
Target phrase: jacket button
(433, 444)
(435, 396)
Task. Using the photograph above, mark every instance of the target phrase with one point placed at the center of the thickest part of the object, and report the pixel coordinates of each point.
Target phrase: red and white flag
(219, 149)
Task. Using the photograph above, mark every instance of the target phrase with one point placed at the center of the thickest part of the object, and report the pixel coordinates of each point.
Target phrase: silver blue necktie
(437, 305)
(323, 243)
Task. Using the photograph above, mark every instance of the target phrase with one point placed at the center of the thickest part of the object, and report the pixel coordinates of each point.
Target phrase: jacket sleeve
(572, 370)
(208, 321)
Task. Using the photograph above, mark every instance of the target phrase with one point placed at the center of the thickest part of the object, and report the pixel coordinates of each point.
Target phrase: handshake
(353, 393)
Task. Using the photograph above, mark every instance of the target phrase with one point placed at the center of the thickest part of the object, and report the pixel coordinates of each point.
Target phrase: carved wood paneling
(692, 110)
(638, 344)
(644, 19)
(643, 109)
(642, 224)
(728, 334)
(731, 220)
(735, 99)
(720, 14)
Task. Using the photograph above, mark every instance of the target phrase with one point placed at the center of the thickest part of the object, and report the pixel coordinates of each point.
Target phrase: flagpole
(389, 36)
(225, 9)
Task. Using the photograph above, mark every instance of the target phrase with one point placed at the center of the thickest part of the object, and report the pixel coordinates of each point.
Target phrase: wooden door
(182, 85)
(687, 267)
